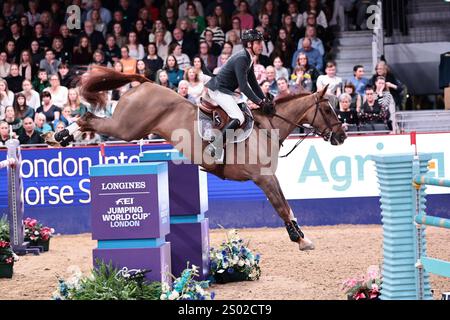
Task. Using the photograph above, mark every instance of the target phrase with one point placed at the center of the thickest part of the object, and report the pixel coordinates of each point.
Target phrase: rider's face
(257, 47)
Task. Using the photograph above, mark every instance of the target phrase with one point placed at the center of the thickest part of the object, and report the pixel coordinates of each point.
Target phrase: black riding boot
(212, 149)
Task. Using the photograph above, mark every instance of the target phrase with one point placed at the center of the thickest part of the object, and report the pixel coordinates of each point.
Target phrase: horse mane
(101, 79)
(292, 97)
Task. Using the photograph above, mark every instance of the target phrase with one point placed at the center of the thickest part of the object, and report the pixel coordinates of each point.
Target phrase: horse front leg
(271, 187)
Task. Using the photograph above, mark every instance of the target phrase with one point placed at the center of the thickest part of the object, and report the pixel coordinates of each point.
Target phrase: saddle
(211, 115)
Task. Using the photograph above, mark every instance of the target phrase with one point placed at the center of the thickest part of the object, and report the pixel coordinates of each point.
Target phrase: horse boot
(59, 136)
(296, 235)
(215, 152)
(67, 140)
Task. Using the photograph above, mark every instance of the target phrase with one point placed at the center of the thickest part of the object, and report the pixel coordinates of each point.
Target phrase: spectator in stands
(22, 41)
(41, 125)
(15, 122)
(98, 59)
(50, 27)
(297, 17)
(49, 63)
(64, 119)
(373, 116)
(209, 60)
(385, 100)
(25, 28)
(260, 70)
(32, 14)
(183, 90)
(269, 8)
(26, 68)
(279, 69)
(37, 54)
(61, 54)
(291, 28)
(301, 80)
(135, 49)
(311, 20)
(183, 60)
(65, 75)
(119, 35)
(153, 10)
(236, 29)
(41, 82)
(392, 83)
(117, 93)
(67, 38)
(243, 13)
(214, 47)
(162, 79)
(170, 19)
(14, 79)
(11, 52)
(203, 73)
(6, 97)
(223, 20)
(142, 69)
(97, 21)
(265, 88)
(31, 96)
(153, 61)
(141, 33)
(234, 41)
(82, 54)
(283, 88)
(348, 117)
(218, 36)
(188, 45)
(96, 38)
(162, 45)
(29, 135)
(159, 26)
(57, 91)
(314, 57)
(358, 79)
(111, 50)
(315, 9)
(316, 43)
(266, 29)
(77, 109)
(223, 58)
(21, 109)
(4, 132)
(197, 21)
(356, 102)
(4, 65)
(329, 78)
(105, 14)
(272, 80)
(174, 73)
(50, 111)
(128, 63)
(267, 47)
(117, 18)
(44, 41)
(183, 8)
(195, 85)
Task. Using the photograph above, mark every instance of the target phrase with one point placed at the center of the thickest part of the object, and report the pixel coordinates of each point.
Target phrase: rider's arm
(239, 68)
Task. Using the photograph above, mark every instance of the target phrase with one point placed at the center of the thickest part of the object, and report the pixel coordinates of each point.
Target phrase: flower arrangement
(234, 261)
(106, 283)
(365, 287)
(186, 288)
(35, 231)
(7, 255)
(4, 228)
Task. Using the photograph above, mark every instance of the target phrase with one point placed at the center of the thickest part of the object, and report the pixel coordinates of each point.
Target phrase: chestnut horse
(151, 108)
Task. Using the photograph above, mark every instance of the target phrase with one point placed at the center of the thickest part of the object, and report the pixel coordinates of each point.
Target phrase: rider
(238, 73)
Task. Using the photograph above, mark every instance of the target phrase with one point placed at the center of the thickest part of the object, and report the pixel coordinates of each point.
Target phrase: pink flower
(359, 296)
(30, 222)
(4, 244)
(373, 272)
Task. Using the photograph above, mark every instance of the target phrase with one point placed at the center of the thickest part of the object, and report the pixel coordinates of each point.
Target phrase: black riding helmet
(251, 35)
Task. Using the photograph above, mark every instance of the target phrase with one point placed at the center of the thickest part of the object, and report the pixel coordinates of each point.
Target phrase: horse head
(323, 118)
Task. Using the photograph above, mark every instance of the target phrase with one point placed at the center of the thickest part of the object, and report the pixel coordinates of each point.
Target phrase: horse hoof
(305, 244)
(59, 136)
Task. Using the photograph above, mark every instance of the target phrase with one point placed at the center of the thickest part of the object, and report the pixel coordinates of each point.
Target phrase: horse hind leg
(271, 187)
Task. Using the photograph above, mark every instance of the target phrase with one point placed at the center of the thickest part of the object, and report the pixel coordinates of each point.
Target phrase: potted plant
(37, 234)
(365, 287)
(7, 258)
(234, 261)
(4, 228)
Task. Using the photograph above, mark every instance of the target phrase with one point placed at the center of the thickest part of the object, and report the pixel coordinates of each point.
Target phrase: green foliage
(4, 228)
(107, 283)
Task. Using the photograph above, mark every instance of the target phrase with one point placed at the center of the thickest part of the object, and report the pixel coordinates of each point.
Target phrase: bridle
(325, 134)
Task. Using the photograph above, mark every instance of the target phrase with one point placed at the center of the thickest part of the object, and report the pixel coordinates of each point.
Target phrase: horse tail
(98, 80)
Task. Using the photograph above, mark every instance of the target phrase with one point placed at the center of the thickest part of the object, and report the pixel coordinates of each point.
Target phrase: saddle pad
(204, 125)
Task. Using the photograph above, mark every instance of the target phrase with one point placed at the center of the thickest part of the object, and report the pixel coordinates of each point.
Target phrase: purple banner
(126, 207)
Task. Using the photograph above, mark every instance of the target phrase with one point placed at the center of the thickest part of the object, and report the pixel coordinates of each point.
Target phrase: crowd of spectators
(180, 45)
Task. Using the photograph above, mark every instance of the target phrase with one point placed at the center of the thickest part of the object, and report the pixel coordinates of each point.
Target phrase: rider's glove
(267, 106)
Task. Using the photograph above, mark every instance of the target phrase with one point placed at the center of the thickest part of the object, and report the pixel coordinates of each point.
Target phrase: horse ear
(322, 92)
